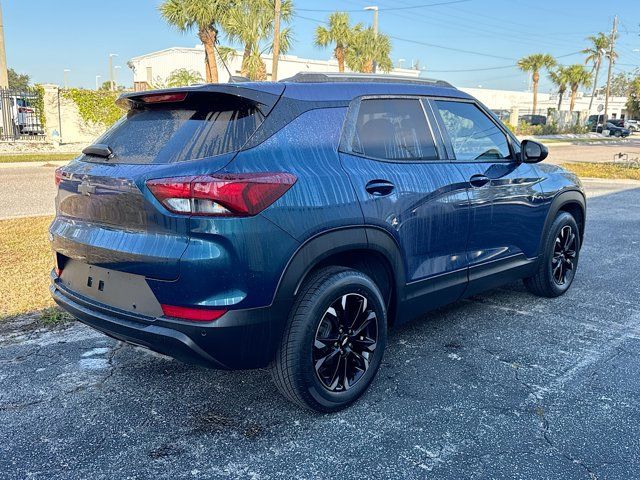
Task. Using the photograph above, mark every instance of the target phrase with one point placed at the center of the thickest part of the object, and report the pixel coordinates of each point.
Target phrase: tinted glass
(393, 129)
(473, 135)
(165, 135)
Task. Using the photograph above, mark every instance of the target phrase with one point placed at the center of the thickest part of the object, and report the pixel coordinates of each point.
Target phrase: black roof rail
(324, 77)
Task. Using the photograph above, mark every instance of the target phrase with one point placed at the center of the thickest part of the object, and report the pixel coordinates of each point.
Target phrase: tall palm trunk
(536, 79)
(208, 38)
(595, 81)
(244, 70)
(560, 95)
(574, 92)
(339, 53)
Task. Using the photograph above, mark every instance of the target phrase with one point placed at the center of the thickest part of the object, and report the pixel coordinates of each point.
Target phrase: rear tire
(334, 340)
(559, 261)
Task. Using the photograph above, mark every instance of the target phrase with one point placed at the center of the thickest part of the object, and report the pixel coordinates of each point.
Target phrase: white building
(509, 100)
(153, 68)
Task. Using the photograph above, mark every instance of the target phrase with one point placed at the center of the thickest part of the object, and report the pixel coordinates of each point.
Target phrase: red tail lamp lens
(193, 314)
(164, 97)
(226, 195)
(58, 176)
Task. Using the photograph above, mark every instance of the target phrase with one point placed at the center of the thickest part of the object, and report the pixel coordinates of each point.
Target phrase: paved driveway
(503, 385)
(26, 190)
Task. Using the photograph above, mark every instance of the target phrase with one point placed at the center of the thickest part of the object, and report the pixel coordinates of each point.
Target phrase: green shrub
(95, 106)
(39, 103)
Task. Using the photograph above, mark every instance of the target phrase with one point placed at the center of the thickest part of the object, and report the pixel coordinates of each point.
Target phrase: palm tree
(534, 63)
(368, 47)
(599, 46)
(203, 15)
(338, 33)
(577, 76)
(559, 78)
(251, 23)
(183, 77)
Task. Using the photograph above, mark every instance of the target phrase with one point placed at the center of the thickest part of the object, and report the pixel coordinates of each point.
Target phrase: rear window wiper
(99, 150)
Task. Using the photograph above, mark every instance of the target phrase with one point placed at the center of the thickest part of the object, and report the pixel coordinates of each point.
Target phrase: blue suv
(288, 225)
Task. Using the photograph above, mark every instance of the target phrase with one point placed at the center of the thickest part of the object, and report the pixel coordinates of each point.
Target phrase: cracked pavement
(502, 385)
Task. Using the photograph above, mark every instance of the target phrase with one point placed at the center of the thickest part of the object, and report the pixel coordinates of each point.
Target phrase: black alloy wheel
(344, 343)
(564, 256)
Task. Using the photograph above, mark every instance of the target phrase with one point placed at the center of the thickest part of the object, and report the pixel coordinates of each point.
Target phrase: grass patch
(618, 171)
(24, 273)
(37, 157)
(52, 316)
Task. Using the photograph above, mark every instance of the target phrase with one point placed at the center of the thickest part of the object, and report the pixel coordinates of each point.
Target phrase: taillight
(193, 314)
(224, 195)
(58, 176)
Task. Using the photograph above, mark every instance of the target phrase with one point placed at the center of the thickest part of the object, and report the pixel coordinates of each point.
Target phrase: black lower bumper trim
(160, 339)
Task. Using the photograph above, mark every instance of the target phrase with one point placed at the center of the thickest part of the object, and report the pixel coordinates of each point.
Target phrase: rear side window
(393, 129)
(178, 133)
(474, 136)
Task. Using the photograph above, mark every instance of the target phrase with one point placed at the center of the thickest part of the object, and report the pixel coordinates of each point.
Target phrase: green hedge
(39, 103)
(95, 106)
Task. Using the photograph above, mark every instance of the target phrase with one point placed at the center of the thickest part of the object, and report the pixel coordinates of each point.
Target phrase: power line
(387, 9)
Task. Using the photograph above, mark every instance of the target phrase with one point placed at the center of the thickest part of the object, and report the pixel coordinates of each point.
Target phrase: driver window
(473, 135)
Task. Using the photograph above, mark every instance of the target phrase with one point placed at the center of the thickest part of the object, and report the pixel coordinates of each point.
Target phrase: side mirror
(533, 152)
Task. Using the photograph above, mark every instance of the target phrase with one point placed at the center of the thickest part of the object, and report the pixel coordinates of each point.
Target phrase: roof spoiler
(267, 94)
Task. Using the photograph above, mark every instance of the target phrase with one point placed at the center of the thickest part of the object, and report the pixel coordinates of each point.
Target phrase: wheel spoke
(345, 374)
(321, 361)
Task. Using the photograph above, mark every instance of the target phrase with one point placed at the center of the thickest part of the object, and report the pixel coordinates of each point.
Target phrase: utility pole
(612, 41)
(111, 75)
(4, 77)
(375, 29)
(276, 42)
(66, 78)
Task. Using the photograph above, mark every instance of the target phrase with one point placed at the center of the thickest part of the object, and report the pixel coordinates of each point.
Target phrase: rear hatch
(107, 217)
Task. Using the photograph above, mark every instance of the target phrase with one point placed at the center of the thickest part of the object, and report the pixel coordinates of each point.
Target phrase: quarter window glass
(473, 135)
(393, 129)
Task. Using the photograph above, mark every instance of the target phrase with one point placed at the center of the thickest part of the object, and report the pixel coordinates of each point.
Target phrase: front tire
(559, 261)
(334, 341)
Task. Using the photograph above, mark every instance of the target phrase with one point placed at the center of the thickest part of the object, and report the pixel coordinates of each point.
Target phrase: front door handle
(479, 180)
(379, 188)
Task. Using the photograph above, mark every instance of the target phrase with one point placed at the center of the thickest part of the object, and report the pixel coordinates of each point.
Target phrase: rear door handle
(479, 180)
(379, 188)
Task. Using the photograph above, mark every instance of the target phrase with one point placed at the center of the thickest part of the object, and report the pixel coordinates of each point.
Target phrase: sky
(469, 43)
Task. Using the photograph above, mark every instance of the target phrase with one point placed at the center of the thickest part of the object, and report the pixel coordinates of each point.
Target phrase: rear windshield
(177, 133)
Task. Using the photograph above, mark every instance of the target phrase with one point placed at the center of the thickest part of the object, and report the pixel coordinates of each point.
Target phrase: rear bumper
(241, 339)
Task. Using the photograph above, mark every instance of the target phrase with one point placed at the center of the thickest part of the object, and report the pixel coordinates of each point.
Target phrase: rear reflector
(194, 314)
(164, 97)
(58, 176)
(223, 195)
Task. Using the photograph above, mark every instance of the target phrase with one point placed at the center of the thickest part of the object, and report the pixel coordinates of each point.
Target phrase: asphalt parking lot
(502, 385)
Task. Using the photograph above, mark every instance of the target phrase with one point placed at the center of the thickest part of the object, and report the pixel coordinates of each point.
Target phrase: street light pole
(115, 76)
(612, 41)
(111, 81)
(66, 78)
(375, 29)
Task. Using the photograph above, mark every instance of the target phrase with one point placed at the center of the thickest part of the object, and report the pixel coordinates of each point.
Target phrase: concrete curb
(56, 163)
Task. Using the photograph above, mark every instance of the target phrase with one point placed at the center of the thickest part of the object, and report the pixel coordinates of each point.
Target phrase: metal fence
(21, 114)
